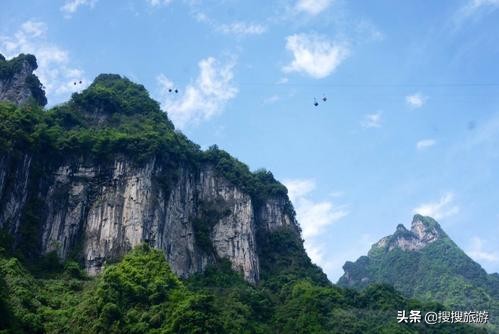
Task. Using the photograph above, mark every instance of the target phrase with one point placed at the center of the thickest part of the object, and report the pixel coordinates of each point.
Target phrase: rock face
(97, 207)
(105, 209)
(423, 232)
(18, 84)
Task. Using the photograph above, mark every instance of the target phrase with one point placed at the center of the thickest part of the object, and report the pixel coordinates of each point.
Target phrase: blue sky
(411, 123)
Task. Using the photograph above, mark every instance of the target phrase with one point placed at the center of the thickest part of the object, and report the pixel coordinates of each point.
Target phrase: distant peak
(427, 220)
(424, 230)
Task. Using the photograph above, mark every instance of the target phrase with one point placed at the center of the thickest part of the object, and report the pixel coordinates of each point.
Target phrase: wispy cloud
(371, 120)
(473, 6)
(367, 31)
(333, 265)
(442, 208)
(236, 28)
(416, 100)
(312, 7)
(54, 64)
(313, 216)
(314, 55)
(158, 3)
(241, 28)
(477, 251)
(425, 143)
(202, 99)
(71, 6)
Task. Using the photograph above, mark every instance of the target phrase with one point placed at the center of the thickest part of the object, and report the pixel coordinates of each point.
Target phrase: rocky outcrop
(272, 215)
(105, 209)
(424, 231)
(18, 84)
(14, 176)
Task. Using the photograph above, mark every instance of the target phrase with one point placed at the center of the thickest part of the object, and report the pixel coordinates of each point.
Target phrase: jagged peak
(18, 83)
(424, 231)
(426, 228)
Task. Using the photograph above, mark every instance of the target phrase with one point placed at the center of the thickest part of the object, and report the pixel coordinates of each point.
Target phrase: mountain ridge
(424, 231)
(175, 239)
(118, 174)
(424, 263)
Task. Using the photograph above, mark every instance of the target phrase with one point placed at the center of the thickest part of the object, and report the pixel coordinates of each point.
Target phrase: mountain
(106, 172)
(425, 263)
(18, 84)
(112, 221)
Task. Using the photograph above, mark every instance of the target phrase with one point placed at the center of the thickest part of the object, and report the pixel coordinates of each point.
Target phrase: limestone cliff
(109, 208)
(106, 172)
(18, 84)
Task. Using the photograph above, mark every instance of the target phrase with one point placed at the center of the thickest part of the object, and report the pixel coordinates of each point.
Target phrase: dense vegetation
(115, 117)
(8, 69)
(440, 272)
(102, 121)
(141, 295)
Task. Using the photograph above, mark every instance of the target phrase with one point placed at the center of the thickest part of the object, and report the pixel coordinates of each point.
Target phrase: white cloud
(416, 100)
(425, 143)
(157, 3)
(442, 208)
(312, 7)
(54, 66)
(237, 28)
(241, 28)
(367, 31)
(299, 188)
(313, 216)
(34, 28)
(478, 253)
(320, 254)
(202, 99)
(371, 120)
(314, 55)
(71, 6)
